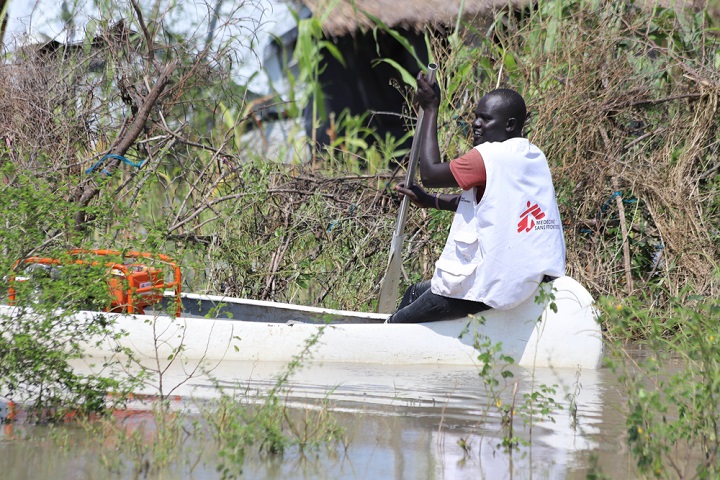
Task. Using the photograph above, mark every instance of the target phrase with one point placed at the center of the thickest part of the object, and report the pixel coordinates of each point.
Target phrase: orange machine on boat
(133, 285)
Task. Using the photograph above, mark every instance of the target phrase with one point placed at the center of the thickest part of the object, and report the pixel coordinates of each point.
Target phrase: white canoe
(251, 330)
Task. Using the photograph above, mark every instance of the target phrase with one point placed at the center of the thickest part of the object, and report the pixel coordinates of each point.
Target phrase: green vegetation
(137, 139)
(673, 389)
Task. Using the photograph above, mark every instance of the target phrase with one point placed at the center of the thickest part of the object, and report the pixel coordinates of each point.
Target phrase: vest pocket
(466, 245)
(453, 278)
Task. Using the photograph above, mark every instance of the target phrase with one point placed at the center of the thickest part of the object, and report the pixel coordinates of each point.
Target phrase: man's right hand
(417, 195)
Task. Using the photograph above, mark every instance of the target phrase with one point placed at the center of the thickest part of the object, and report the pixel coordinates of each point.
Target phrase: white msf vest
(498, 250)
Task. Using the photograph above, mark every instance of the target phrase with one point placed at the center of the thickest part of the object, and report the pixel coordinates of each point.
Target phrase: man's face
(491, 122)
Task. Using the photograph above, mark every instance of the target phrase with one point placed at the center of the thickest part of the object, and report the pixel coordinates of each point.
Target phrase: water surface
(435, 422)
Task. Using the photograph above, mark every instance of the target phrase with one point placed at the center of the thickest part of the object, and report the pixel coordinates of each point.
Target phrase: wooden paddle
(391, 280)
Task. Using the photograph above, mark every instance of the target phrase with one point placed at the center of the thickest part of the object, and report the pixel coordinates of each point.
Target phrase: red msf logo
(528, 217)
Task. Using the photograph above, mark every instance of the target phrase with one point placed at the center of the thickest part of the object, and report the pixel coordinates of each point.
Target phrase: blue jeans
(419, 304)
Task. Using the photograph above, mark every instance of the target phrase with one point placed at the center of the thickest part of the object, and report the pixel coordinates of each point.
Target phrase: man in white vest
(506, 237)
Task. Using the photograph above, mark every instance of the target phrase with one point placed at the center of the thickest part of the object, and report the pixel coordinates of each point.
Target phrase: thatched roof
(348, 15)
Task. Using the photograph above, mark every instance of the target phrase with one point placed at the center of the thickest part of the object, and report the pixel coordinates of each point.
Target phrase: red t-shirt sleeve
(469, 170)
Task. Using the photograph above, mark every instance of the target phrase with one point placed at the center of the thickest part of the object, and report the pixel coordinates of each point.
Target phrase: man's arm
(433, 172)
(422, 199)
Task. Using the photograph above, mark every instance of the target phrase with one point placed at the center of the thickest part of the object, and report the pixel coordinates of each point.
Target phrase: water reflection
(421, 421)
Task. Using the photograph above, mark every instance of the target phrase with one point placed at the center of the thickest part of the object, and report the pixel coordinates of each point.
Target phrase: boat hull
(532, 334)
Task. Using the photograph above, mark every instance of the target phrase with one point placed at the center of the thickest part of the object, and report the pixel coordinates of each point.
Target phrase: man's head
(499, 115)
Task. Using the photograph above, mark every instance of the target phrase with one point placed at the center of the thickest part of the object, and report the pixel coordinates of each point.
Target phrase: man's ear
(511, 124)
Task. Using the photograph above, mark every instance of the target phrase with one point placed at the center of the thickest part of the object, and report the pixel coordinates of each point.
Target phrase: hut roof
(348, 16)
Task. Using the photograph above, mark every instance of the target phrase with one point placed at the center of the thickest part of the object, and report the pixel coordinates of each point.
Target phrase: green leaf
(396, 35)
(407, 78)
(330, 47)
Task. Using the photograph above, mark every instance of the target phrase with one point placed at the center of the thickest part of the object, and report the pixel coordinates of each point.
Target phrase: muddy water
(400, 422)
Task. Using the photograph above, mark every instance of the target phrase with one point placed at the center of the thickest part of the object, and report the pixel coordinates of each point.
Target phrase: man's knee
(413, 292)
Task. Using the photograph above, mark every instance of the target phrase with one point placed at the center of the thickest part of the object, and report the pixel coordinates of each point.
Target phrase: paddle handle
(419, 129)
(412, 165)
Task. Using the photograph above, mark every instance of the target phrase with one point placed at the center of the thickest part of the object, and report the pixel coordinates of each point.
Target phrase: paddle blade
(391, 281)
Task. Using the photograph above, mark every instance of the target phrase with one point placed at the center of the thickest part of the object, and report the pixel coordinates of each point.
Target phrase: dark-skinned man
(506, 237)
